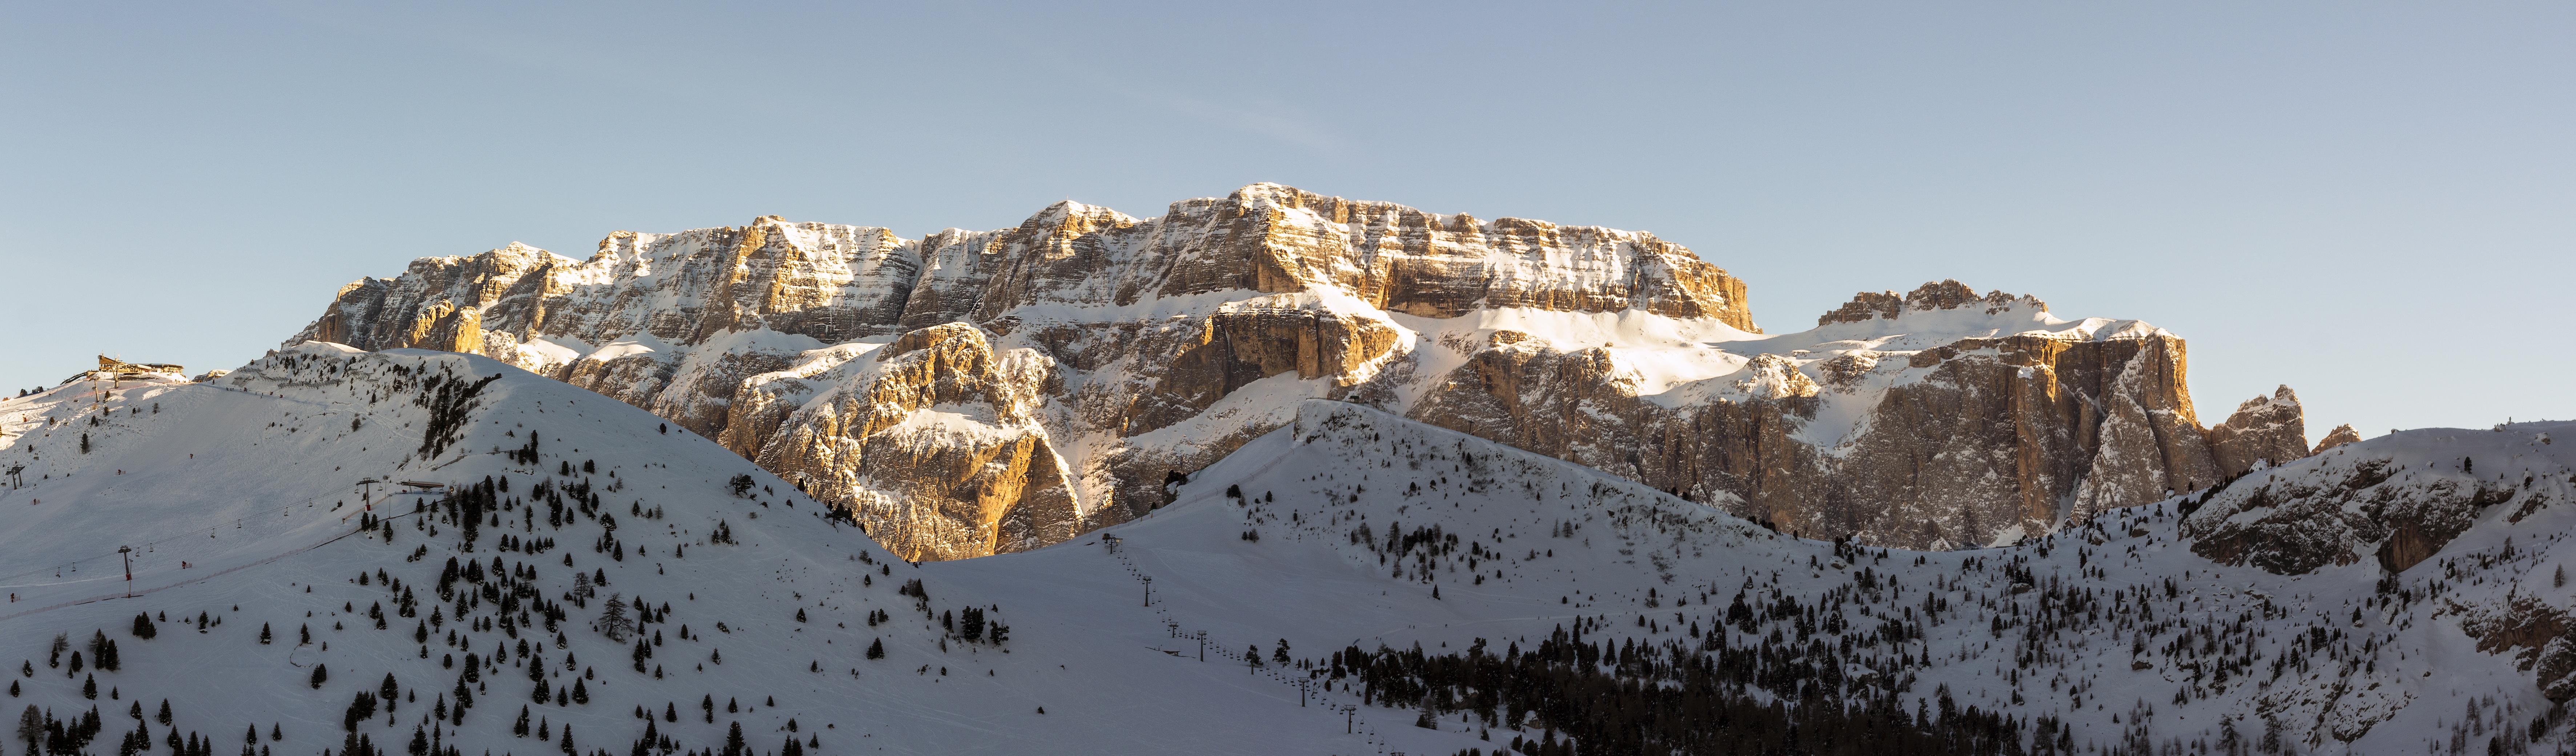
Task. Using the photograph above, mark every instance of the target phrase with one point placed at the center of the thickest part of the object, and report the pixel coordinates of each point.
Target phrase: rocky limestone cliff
(1930, 420)
(934, 441)
(2342, 434)
(975, 392)
(1115, 327)
(2264, 431)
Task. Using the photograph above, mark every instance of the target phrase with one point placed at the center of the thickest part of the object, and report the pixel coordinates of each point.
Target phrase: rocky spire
(2342, 434)
(2264, 431)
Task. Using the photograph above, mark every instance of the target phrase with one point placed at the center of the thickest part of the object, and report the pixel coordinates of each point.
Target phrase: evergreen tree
(876, 649)
(321, 674)
(31, 727)
(734, 745)
(613, 620)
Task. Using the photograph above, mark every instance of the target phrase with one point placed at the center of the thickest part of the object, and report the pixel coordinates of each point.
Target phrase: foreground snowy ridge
(1349, 536)
(744, 603)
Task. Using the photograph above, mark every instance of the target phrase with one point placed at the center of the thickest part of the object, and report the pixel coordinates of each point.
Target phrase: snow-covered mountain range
(590, 579)
(972, 393)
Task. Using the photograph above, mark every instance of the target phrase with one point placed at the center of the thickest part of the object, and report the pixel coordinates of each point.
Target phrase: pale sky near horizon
(2374, 203)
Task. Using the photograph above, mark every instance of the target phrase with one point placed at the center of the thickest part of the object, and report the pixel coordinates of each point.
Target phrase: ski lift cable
(286, 511)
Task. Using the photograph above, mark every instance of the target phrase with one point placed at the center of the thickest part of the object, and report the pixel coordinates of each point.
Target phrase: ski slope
(1100, 692)
(241, 501)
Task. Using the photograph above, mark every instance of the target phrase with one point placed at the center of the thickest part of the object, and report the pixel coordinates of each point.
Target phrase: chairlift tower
(127, 552)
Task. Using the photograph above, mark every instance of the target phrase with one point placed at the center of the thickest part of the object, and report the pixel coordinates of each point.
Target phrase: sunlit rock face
(2265, 431)
(975, 392)
(1934, 419)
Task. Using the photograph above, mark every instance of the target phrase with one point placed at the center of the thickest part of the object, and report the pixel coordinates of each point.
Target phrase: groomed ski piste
(2115, 636)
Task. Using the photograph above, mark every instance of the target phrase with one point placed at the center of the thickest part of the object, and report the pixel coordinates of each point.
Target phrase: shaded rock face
(2264, 431)
(2541, 638)
(2363, 501)
(975, 392)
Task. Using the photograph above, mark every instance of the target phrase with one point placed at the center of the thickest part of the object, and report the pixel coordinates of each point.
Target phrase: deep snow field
(2115, 634)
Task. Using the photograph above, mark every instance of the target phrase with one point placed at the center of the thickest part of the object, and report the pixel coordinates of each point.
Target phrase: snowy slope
(2118, 632)
(250, 483)
(1318, 534)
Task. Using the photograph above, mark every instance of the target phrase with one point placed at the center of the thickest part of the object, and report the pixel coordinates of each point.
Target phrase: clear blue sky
(2374, 203)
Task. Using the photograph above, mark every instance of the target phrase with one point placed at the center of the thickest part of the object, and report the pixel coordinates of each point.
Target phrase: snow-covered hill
(240, 501)
(1412, 573)
(1373, 531)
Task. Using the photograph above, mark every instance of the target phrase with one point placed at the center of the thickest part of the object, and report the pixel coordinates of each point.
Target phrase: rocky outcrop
(2541, 638)
(2264, 431)
(976, 392)
(2368, 502)
(2342, 434)
(933, 441)
(1947, 294)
